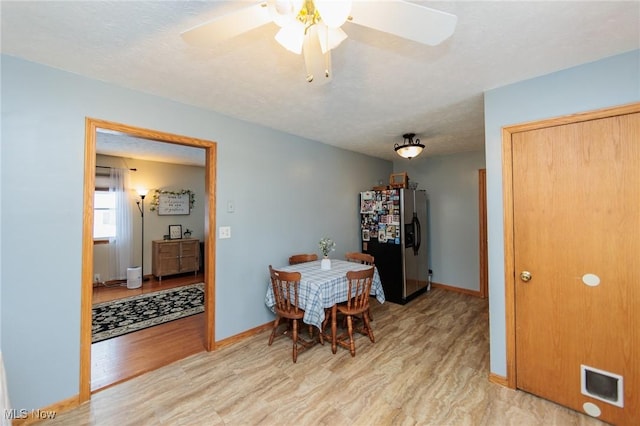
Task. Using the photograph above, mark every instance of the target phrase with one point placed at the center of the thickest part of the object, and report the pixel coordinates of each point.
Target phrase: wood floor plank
(428, 366)
(124, 357)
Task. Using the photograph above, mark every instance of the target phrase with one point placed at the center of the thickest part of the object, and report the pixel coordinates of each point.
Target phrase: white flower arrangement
(327, 245)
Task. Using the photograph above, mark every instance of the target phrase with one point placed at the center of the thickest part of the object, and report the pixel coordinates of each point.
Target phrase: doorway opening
(92, 127)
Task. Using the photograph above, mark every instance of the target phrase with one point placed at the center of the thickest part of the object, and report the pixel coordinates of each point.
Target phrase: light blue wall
(288, 193)
(41, 182)
(451, 182)
(608, 82)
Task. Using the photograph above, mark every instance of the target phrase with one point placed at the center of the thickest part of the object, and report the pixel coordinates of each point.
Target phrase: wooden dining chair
(365, 259)
(357, 305)
(301, 258)
(286, 287)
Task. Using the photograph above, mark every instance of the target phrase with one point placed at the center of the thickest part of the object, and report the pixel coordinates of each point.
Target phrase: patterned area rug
(122, 316)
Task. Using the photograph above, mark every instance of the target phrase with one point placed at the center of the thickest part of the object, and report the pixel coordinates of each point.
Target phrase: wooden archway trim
(91, 127)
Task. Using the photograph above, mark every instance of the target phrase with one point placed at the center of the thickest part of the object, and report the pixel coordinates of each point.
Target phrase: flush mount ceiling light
(410, 147)
(312, 27)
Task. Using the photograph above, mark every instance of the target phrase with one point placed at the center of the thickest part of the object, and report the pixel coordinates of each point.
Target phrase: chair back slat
(286, 286)
(301, 258)
(363, 258)
(359, 289)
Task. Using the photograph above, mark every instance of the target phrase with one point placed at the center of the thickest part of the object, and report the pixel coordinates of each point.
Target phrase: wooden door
(576, 230)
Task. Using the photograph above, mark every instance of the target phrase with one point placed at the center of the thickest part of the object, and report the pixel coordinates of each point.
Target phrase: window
(104, 218)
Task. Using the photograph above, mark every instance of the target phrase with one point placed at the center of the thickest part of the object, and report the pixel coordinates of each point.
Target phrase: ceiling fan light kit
(311, 28)
(316, 62)
(409, 148)
(283, 12)
(291, 37)
(330, 37)
(334, 13)
(307, 23)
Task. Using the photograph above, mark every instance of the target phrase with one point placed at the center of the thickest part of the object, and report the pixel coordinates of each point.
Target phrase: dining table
(321, 289)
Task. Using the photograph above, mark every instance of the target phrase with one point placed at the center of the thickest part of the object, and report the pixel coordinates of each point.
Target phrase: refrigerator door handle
(417, 234)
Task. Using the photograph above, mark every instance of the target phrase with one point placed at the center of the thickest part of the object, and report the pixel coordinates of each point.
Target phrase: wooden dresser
(175, 257)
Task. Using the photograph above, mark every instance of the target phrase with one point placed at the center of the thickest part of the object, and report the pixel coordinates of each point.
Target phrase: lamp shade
(142, 192)
(330, 38)
(409, 148)
(334, 13)
(291, 36)
(283, 12)
(409, 151)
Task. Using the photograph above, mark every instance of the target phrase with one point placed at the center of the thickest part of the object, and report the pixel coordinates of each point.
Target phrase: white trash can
(134, 277)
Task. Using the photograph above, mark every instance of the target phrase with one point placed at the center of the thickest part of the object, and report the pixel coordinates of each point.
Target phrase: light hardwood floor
(429, 366)
(124, 357)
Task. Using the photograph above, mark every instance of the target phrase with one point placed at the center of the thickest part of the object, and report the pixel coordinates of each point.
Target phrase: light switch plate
(231, 206)
(224, 232)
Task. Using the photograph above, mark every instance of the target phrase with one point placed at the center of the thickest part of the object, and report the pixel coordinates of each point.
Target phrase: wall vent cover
(602, 385)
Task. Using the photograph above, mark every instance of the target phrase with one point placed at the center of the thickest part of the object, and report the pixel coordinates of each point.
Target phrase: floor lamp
(142, 193)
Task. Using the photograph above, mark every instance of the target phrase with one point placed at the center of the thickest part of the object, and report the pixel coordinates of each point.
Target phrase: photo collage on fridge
(380, 216)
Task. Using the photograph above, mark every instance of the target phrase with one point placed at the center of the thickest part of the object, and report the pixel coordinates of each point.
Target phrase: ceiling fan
(313, 27)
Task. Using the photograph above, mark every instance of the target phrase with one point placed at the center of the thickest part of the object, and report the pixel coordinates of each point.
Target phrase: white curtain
(120, 252)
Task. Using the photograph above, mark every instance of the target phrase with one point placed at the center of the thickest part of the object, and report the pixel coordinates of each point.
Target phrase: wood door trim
(482, 214)
(507, 199)
(86, 290)
(509, 261)
(91, 127)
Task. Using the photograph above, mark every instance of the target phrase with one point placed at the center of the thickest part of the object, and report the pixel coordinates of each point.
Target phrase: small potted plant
(187, 233)
(327, 245)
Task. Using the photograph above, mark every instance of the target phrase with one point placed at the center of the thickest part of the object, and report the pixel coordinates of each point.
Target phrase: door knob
(525, 276)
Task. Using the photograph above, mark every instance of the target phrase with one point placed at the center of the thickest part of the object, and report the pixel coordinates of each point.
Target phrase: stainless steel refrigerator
(393, 226)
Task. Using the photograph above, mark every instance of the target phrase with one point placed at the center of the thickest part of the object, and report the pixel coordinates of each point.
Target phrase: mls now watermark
(15, 414)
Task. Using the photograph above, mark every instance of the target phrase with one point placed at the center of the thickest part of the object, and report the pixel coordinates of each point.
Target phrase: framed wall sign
(175, 232)
(173, 204)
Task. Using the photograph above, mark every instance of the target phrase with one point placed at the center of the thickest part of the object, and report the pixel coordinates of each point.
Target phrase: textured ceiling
(382, 86)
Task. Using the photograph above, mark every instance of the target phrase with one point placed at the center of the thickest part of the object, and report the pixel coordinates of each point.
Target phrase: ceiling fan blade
(404, 19)
(227, 26)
